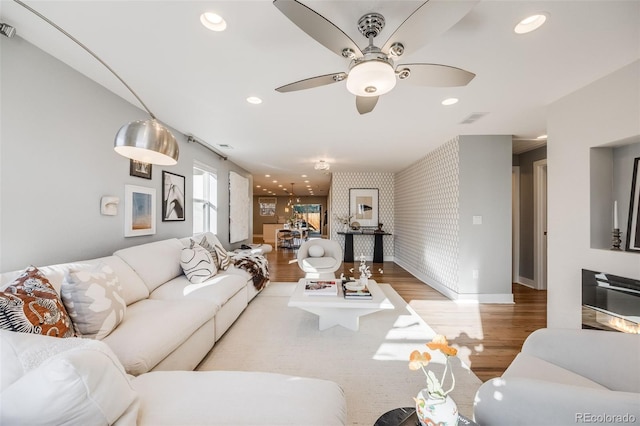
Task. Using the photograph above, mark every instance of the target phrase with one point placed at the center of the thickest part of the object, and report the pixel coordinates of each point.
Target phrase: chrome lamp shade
(147, 141)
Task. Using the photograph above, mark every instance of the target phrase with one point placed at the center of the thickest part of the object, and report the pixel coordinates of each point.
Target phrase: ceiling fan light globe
(371, 78)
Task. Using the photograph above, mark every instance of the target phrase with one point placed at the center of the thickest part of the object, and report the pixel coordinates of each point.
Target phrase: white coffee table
(336, 310)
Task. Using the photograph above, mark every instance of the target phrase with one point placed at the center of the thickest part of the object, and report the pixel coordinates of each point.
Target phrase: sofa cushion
(92, 296)
(152, 329)
(238, 398)
(531, 367)
(63, 381)
(318, 262)
(156, 263)
(197, 263)
(30, 304)
(216, 290)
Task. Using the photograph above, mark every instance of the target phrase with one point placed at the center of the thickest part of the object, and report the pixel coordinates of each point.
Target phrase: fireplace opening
(610, 302)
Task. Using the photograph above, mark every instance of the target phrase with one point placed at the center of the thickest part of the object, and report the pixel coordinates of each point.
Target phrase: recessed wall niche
(611, 169)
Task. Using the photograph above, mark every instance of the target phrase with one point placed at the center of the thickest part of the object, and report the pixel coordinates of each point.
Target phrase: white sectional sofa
(53, 381)
(171, 324)
(566, 377)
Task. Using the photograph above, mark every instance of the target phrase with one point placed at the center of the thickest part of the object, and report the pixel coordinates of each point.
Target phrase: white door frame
(515, 227)
(539, 224)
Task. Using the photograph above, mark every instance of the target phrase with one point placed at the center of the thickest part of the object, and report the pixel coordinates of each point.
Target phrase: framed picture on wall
(267, 206)
(139, 211)
(633, 227)
(173, 200)
(139, 169)
(363, 206)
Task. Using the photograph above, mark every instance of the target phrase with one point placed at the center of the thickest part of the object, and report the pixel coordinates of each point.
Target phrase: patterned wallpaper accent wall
(427, 217)
(341, 182)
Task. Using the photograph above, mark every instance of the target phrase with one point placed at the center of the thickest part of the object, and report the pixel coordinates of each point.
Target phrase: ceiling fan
(372, 70)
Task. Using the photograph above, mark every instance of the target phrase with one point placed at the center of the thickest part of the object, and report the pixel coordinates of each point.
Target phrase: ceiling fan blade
(366, 104)
(312, 82)
(436, 75)
(317, 26)
(427, 23)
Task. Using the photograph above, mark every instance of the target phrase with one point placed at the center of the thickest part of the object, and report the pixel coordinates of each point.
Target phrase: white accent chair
(320, 258)
(566, 377)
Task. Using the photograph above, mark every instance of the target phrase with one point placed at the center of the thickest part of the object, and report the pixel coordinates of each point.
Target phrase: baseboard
(526, 282)
(502, 298)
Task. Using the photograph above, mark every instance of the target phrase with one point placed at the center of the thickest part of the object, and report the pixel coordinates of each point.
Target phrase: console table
(377, 245)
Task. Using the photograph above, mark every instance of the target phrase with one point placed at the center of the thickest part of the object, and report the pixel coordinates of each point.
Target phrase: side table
(406, 416)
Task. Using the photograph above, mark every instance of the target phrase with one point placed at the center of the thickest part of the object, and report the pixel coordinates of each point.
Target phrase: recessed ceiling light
(530, 23)
(213, 21)
(306, 181)
(542, 137)
(254, 100)
(264, 189)
(274, 181)
(303, 176)
(267, 175)
(258, 186)
(450, 101)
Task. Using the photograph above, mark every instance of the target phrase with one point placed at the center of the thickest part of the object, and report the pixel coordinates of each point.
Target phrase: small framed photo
(139, 211)
(139, 169)
(363, 206)
(633, 226)
(173, 200)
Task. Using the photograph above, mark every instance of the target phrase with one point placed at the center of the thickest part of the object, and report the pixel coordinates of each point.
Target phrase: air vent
(473, 117)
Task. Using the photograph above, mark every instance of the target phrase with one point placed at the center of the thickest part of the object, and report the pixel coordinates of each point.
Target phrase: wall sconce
(109, 205)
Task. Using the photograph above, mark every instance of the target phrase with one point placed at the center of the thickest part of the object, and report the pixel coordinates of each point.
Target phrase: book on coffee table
(364, 293)
(321, 287)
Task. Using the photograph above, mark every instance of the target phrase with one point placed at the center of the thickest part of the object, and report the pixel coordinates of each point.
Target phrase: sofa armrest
(609, 358)
(520, 401)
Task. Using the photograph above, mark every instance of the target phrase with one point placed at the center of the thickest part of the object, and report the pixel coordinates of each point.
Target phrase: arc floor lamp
(147, 141)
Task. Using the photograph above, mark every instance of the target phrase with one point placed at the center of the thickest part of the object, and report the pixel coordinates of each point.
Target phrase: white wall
(57, 161)
(603, 113)
(485, 192)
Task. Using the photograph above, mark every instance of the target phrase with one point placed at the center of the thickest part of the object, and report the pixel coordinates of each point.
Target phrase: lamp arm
(53, 24)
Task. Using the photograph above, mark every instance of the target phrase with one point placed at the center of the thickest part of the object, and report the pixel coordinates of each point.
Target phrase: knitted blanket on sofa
(254, 264)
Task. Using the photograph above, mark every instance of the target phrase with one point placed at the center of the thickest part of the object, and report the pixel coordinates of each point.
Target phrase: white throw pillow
(81, 382)
(92, 295)
(316, 251)
(197, 263)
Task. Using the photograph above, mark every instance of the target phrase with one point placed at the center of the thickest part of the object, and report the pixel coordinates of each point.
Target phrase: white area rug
(371, 364)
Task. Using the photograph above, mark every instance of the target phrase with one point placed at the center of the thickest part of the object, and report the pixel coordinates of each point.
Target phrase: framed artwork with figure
(140, 169)
(363, 206)
(173, 199)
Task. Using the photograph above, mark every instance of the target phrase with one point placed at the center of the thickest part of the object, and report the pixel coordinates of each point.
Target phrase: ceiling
(197, 81)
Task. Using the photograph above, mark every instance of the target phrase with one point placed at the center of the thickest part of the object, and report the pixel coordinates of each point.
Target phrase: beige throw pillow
(213, 245)
(93, 297)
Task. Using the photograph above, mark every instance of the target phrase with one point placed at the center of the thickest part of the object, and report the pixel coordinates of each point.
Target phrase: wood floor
(488, 336)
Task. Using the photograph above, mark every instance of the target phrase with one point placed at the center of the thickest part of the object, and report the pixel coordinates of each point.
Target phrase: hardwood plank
(488, 336)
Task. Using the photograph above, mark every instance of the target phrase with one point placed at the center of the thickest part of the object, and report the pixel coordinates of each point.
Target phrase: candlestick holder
(616, 239)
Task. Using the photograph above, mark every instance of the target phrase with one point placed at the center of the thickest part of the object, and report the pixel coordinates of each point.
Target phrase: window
(205, 199)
